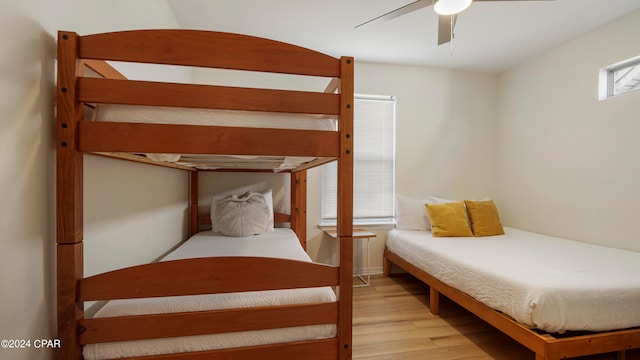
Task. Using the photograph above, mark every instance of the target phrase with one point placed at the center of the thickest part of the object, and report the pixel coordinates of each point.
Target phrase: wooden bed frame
(76, 136)
(545, 346)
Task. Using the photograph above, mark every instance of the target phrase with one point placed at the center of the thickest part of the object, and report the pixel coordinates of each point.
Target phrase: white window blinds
(374, 164)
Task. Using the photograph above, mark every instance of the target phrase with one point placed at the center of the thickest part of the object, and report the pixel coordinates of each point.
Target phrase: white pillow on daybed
(411, 214)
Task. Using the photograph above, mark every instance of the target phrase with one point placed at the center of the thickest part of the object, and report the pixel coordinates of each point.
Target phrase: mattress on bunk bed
(195, 116)
(214, 117)
(543, 282)
(279, 243)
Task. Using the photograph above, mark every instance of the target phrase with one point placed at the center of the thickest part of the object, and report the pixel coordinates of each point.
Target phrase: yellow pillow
(484, 218)
(448, 219)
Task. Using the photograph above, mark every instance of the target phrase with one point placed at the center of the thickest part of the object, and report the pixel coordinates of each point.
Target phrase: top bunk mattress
(279, 243)
(543, 282)
(212, 117)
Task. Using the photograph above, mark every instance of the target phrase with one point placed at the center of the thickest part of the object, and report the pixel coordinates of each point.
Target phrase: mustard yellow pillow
(448, 219)
(484, 218)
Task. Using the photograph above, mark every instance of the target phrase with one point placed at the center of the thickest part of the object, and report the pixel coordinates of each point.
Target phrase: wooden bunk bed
(545, 345)
(127, 140)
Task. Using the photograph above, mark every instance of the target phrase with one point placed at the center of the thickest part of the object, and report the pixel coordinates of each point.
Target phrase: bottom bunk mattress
(543, 282)
(279, 243)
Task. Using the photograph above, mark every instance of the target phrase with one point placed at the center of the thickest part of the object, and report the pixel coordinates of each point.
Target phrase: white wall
(211, 183)
(148, 204)
(445, 127)
(568, 163)
(445, 131)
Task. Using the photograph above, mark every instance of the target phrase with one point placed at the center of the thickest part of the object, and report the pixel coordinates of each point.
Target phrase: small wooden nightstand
(359, 234)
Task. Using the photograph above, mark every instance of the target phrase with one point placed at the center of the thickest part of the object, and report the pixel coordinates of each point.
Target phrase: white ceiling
(490, 36)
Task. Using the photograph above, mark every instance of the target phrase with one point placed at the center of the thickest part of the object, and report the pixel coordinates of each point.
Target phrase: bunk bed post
(69, 192)
(345, 208)
(299, 205)
(193, 196)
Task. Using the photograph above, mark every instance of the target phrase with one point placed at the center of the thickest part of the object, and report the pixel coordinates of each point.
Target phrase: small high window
(620, 78)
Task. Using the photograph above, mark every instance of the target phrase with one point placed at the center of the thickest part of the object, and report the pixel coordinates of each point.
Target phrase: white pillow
(437, 200)
(244, 215)
(268, 197)
(411, 214)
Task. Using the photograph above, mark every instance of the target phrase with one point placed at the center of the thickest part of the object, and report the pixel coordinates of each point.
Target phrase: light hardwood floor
(391, 321)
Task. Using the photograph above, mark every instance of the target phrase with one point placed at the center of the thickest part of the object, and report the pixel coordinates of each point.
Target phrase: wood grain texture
(97, 136)
(130, 92)
(125, 328)
(344, 219)
(103, 69)
(206, 276)
(545, 346)
(69, 199)
(391, 321)
(299, 206)
(193, 202)
(219, 275)
(208, 49)
(69, 163)
(69, 271)
(278, 217)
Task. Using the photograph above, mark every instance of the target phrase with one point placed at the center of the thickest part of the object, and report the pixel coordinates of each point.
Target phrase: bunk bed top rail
(202, 49)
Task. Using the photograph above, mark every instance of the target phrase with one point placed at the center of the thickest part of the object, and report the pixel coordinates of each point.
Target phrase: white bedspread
(543, 282)
(280, 243)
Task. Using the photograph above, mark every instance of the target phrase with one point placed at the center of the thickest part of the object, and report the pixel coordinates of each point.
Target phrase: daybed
(559, 298)
(248, 146)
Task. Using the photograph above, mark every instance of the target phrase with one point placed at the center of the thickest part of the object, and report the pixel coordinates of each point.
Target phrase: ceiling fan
(447, 11)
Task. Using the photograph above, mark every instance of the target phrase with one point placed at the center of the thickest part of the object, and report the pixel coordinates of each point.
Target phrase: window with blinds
(374, 164)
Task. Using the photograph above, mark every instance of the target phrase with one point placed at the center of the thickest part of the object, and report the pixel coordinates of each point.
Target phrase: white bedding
(280, 243)
(192, 116)
(543, 282)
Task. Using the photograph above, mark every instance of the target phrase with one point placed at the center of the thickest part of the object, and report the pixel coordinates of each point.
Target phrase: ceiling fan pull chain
(451, 42)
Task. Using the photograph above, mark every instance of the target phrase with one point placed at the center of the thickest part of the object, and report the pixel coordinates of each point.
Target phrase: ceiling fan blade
(445, 28)
(416, 5)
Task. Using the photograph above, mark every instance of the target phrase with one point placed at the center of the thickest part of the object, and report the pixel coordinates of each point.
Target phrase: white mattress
(280, 243)
(543, 282)
(192, 116)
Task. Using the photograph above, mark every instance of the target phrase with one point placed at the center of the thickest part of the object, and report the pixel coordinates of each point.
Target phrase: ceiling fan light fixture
(451, 7)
